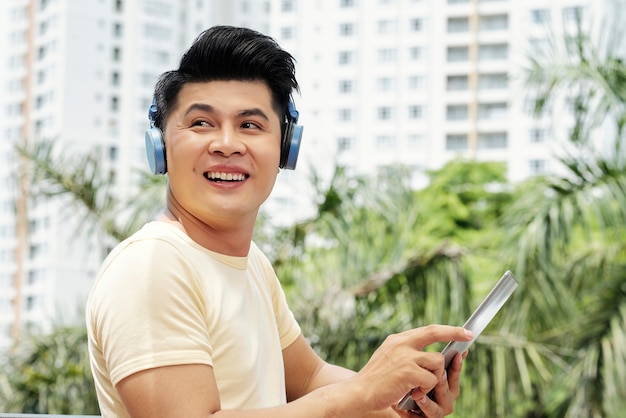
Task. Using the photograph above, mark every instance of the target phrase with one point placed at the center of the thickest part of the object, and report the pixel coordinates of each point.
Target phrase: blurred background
(445, 141)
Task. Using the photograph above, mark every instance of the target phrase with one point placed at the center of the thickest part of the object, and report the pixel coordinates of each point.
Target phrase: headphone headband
(289, 144)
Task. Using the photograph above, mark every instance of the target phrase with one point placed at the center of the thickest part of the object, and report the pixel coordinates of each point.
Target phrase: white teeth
(226, 176)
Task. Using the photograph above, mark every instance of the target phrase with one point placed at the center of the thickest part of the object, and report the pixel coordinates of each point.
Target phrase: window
(385, 141)
(115, 78)
(573, 13)
(416, 112)
(346, 3)
(415, 82)
(387, 55)
(33, 302)
(456, 142)
(287, 32)
(117, 30)
(287, 6)
(457, 1)
(346, 57)
(344, 143)
(157, 32)
(346, 86)
(156, 57)
(43, 27)
(347, 29)
(119, 5)
(458, 24)
(538, 166)
(415, 53)
(113, 153)
(385, 84)
(457, 112)
(493, 52)
(491, 111)
(157, 8)
(387, 26)
(495, 22)
(540, 45)
(384, 113)
(19, 61)
(115, 103)
(117, 54)
(493, 140)
(537, 135)
(457, 83)
(457, 53)
(344, 115)
(36, 250)
(416, 139)
(540, 16)
(493, 81)
(416, 24)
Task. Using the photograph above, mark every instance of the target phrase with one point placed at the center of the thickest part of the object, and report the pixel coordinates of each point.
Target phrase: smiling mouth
(225, 177)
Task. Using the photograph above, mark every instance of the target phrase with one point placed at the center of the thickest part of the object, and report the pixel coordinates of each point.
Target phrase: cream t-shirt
(161, 299)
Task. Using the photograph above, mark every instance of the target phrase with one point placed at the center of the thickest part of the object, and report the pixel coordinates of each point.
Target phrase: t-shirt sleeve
(288, 327)
(148, 310)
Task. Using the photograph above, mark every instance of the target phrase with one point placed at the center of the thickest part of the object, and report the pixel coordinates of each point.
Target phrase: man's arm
(316, 373)
(396, 367)
(190, 391)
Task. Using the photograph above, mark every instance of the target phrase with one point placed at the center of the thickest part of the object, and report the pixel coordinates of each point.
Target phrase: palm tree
(90, 188)
(380, 258)
(50, 375)
(566, 234)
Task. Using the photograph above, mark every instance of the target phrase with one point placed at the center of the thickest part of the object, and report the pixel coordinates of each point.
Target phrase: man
(187, 317)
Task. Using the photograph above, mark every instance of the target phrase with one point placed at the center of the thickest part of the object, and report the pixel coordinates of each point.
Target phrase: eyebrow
(210, 109)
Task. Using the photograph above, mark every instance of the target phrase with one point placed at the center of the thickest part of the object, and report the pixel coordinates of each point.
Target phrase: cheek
(271, 153)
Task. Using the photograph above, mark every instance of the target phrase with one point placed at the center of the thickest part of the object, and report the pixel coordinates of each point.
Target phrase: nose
(227, 142)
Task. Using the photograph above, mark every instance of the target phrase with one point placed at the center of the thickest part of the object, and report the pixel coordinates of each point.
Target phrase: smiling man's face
(223, 149)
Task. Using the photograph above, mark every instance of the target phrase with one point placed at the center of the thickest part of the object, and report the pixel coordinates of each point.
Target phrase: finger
(424, 382)
(428, 408)
(454, 373)
(441, 394)
(430, 334)
(431, 361)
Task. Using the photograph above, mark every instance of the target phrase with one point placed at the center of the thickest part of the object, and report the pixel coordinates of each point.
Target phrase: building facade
(80, 72)
(383, 83)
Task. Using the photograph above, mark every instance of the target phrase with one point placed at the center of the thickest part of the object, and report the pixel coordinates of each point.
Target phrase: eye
(200, 122)
(250, 125)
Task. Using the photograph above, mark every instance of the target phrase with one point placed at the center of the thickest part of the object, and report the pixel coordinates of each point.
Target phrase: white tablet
(477, 322)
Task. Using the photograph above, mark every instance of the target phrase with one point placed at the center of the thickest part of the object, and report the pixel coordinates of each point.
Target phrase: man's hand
(400, 364)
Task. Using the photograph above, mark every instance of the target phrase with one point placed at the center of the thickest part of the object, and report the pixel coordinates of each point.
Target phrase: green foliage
(49, 374)
(91, 190)
(365, 266)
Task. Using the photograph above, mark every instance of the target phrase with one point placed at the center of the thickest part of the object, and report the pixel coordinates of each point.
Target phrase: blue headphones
(289, 144)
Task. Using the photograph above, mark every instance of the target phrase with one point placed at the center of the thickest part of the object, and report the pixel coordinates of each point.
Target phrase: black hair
(224, 53)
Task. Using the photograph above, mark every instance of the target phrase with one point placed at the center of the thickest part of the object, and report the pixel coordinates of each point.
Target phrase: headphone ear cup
(294, 147)
(155, 151)
(290, 146)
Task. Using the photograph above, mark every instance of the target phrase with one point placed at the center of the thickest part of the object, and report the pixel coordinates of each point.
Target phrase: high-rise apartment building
(81, 72)
(383, 82)
(419, 82)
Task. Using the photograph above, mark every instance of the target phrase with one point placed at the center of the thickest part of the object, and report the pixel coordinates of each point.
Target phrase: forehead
(226, 95)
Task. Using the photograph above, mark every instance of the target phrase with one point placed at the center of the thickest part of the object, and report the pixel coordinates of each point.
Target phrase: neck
(225, 235)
